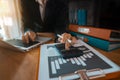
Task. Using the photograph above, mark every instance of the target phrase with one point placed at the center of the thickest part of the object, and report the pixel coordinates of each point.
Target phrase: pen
(62, 37)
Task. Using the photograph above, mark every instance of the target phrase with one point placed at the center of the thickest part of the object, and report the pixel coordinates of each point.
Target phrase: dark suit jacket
(56, 16)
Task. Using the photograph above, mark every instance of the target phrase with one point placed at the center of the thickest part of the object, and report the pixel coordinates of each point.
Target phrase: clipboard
(49, 55)
(84, 74)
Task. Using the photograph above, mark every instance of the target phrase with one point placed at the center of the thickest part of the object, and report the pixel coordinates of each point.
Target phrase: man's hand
(28, 36)
(64, 39)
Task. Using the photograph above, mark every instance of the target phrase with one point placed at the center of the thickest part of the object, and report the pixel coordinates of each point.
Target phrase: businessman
(43, 16)
(46, 16)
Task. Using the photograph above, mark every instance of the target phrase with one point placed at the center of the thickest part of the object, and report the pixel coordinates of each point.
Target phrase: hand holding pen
(68, 39)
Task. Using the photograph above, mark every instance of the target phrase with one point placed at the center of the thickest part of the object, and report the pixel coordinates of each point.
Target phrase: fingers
(66, 36)
(73, 40)
(30, 35)
(25, 38)
(64, 39)
(67, 45)
(60, 40)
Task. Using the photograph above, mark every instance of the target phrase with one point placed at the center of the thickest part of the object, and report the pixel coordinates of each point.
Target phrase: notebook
(18, 45)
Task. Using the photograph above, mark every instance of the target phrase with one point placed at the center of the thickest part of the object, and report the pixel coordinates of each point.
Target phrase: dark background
(100, 13)
(108, 14)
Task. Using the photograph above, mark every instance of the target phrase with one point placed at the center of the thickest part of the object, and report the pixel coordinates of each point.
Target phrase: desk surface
(24, 66)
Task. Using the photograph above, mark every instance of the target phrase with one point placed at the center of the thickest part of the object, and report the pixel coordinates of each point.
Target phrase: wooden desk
(24, 66)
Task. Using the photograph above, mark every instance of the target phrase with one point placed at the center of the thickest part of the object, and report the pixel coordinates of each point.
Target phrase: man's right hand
(28, 36)
(64, 39)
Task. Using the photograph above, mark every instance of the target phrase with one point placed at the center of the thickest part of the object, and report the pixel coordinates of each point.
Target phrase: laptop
(18, 45)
